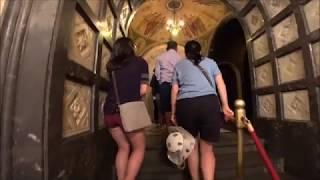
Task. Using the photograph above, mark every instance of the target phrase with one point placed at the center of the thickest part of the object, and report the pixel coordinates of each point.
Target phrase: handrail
(239, 112)
(260, 148)
(241, 123)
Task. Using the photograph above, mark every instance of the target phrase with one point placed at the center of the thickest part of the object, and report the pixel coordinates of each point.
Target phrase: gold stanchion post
(239, 113)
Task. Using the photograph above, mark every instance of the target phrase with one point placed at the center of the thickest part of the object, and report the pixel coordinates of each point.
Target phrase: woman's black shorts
(200, 115)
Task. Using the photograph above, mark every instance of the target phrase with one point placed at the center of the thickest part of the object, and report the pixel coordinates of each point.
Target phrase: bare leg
(137, 140)
(193, 163)
(123, 151)
(167, 117)
(208, 160)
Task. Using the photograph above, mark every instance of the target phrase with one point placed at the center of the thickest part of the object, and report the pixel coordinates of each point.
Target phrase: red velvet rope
(264, 156)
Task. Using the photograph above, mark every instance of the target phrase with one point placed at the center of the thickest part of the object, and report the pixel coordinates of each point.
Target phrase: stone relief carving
(316, 57)
(102, 98)
(260, 47)
(312, 14)
(254, 20)
(108, 25)
(118, 33)
(274, 7)
(81, 47)
(291, 67)
(267, 106)
(296, 105)
(76, 108)
(124, 14)
(286, 31)
(238, 4)
(116, 3)
(105, 58)
(94, 5)
(263, 76)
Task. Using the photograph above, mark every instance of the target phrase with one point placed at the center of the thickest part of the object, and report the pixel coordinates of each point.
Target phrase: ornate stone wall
(283, 40)
(93, 27)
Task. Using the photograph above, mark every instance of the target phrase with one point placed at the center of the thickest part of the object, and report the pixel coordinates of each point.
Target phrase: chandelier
(174, 26)
(105, 29)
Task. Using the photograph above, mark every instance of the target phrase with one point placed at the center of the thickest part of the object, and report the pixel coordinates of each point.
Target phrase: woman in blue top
(196, 106)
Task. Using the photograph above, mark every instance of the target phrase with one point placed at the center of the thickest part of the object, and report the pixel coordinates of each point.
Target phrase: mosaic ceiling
(150, 19)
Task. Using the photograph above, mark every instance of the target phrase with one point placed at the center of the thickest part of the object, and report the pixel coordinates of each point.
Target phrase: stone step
(156, 165)
(253, 173)
(226, 166)
(227, 161)
(230, 139)
(162, 176)
(156, 138)
(158, 158)
(250, 173)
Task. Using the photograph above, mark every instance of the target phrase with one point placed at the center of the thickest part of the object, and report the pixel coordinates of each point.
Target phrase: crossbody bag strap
(206, 75)
(115, 87)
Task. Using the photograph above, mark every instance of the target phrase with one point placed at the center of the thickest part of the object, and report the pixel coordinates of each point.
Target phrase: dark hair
(192, 50)
(122, 49)
(172, 45)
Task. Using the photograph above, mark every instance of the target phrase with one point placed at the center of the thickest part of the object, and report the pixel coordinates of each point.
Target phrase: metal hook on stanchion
(247, 123)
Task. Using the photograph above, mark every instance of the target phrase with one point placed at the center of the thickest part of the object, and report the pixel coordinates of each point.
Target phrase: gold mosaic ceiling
(200, 17)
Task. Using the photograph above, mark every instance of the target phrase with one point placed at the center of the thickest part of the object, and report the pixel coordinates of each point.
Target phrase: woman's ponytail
(192, 50)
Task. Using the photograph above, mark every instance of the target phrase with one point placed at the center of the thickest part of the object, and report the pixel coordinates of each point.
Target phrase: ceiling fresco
(151, 17)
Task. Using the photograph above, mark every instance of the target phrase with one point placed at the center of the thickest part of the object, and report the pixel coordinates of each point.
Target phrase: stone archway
(228, 49)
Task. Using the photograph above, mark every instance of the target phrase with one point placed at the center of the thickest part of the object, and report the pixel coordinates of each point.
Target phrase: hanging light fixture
(174, 26)
(105, 29)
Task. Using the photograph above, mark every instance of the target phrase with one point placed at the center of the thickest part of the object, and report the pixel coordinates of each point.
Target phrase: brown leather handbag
(134, 115)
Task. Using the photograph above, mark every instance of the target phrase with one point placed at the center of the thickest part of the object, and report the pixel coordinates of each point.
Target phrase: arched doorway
(228, 49)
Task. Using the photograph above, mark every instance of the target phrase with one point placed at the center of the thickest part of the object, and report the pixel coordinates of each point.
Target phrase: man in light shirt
(164, 71)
